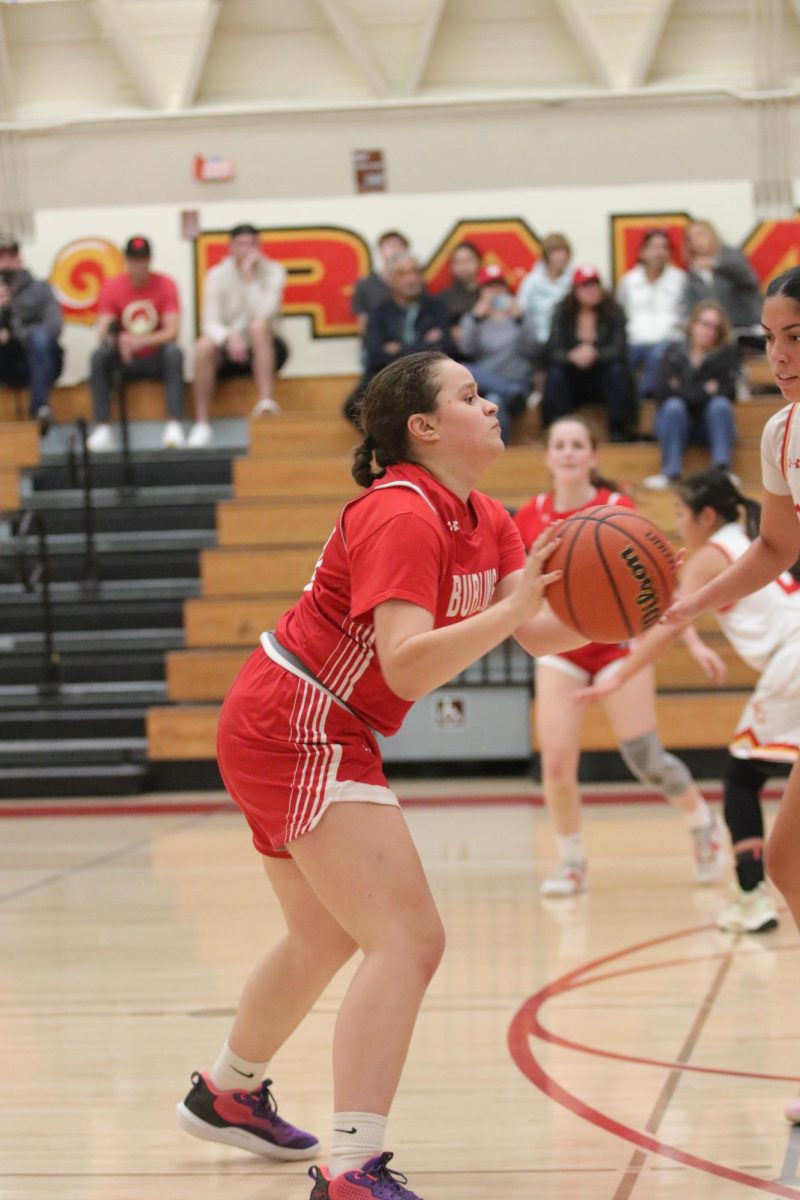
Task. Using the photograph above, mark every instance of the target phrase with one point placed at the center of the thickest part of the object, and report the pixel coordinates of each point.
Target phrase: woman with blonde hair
(695, 391)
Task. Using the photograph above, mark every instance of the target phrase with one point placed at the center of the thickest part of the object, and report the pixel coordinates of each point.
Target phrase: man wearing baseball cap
(30, 323)
(138, 317)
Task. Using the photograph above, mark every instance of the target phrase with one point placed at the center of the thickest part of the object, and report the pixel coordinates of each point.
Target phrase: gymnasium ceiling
(89, 60)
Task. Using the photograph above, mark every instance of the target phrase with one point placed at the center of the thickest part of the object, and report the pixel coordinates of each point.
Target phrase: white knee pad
(647, 759)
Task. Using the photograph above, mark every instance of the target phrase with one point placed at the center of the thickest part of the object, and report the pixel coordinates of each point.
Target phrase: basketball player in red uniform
(421, 576)
(572, 459)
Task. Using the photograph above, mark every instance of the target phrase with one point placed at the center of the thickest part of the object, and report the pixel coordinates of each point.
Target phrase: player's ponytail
(407, 386)
(715, 489)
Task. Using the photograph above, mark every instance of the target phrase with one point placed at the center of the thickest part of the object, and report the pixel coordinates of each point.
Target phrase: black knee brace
(742, 784)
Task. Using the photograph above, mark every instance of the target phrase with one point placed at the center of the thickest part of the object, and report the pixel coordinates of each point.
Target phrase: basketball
(618, 573)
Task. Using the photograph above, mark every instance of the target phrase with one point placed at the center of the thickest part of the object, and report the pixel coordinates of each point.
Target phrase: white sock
(230, 1073)
(357, 1136)
(700, 817)
(571, 848)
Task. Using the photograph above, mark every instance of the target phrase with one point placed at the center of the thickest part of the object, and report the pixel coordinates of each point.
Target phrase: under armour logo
(794, 462)
(454, 526)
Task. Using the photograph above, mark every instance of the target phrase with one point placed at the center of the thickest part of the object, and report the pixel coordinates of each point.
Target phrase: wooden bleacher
(288, 492)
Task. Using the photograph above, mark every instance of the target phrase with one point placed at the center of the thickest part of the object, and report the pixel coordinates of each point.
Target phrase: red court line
(524, 1026)
(111, 808)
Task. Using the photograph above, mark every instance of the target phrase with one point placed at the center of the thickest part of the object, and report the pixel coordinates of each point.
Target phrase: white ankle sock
(699, 817)
(230, 1073)
(571, 848)
(357, 1136)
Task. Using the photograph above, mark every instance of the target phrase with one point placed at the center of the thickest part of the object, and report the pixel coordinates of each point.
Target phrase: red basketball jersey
(535, 516)
(406, 538)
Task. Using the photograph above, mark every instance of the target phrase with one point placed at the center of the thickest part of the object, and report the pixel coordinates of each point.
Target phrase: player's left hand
(712, 664)
(599, 691)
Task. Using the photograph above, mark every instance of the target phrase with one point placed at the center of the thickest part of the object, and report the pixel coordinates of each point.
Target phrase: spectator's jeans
(507, 395)
(36, 361)
(166, 363)
(646, 357)
(676, 428)
(568, 387)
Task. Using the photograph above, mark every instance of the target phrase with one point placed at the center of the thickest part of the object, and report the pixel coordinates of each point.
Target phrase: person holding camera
(499, 341)
(138, 316)
(30, 324)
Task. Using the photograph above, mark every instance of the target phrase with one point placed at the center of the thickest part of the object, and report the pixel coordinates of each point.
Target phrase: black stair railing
(36, 576)
(77, 446)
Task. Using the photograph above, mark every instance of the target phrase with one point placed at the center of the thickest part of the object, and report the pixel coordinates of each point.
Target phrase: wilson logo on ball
(647, 598)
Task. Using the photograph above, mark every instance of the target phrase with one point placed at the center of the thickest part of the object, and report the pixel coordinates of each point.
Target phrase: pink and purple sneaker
(373, 1182)
(246, 1120)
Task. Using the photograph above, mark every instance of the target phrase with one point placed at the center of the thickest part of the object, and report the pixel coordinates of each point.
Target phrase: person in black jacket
(30, 324)
(409, 321)
(588, 357)
(695, 389)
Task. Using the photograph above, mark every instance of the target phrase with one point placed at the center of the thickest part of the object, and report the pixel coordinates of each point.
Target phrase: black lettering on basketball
(646, 598)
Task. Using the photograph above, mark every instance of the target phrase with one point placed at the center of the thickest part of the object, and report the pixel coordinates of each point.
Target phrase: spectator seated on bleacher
(695, 392)
(30, 324)
(588, 357)
(651, 294)
(410, 320)
(460, 296)
(242, 297)
(137, 327)
(723, 273)
(499, 341)
(372, 289)
(546, 284)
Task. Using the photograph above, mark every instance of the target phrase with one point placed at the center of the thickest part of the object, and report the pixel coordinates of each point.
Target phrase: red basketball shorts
(589, 662)
(287, 750)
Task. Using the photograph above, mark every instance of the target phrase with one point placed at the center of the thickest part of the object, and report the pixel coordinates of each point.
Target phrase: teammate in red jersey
(572, 460)
(421, 576)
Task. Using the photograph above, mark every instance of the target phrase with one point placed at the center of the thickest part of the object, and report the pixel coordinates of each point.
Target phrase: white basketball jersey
(763, 622)
(780, 454)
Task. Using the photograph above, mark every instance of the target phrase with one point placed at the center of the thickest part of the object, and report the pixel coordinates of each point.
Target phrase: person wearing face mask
(499, 340)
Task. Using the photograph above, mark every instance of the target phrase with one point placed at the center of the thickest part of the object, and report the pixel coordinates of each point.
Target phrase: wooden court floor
(610, 1047)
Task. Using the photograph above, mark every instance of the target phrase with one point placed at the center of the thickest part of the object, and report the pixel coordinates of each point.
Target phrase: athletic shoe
(710, 855)
(173, 438)
(246, 1120)
(200, 436)
(568, 879)
(751, 912)
(266, 406)
(100, 440)
(373, 1180)
(44, 418)
(657, 483)
(792, 1111)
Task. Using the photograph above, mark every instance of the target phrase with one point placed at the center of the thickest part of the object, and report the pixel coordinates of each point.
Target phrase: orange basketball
(619, 573)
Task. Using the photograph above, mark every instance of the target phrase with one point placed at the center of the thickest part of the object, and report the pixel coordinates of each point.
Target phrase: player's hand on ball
(534, 579)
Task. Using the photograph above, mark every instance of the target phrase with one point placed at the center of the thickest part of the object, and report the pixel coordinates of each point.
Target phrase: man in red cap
(139, 313)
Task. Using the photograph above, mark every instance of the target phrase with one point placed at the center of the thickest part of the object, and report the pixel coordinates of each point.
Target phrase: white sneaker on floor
(657, 483)
(173, 438)
(710, 853)
(100, 440)
(566, 880)
(266, 406)
(751, 912)
(792, 1111)
(200, 435)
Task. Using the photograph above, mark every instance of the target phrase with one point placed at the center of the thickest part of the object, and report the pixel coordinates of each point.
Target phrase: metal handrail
(31, 579)
(91, 571)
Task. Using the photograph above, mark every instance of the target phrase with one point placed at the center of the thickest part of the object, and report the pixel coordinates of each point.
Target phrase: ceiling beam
(6, 80)
(422, 51)
(645, 55)
(581, 30)
(202, 45)
(124, 47)
(351, 37)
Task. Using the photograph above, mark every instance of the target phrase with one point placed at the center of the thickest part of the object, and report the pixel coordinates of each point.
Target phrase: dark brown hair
(407, 386)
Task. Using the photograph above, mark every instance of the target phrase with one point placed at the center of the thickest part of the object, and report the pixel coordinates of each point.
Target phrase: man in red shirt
(139, 312)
